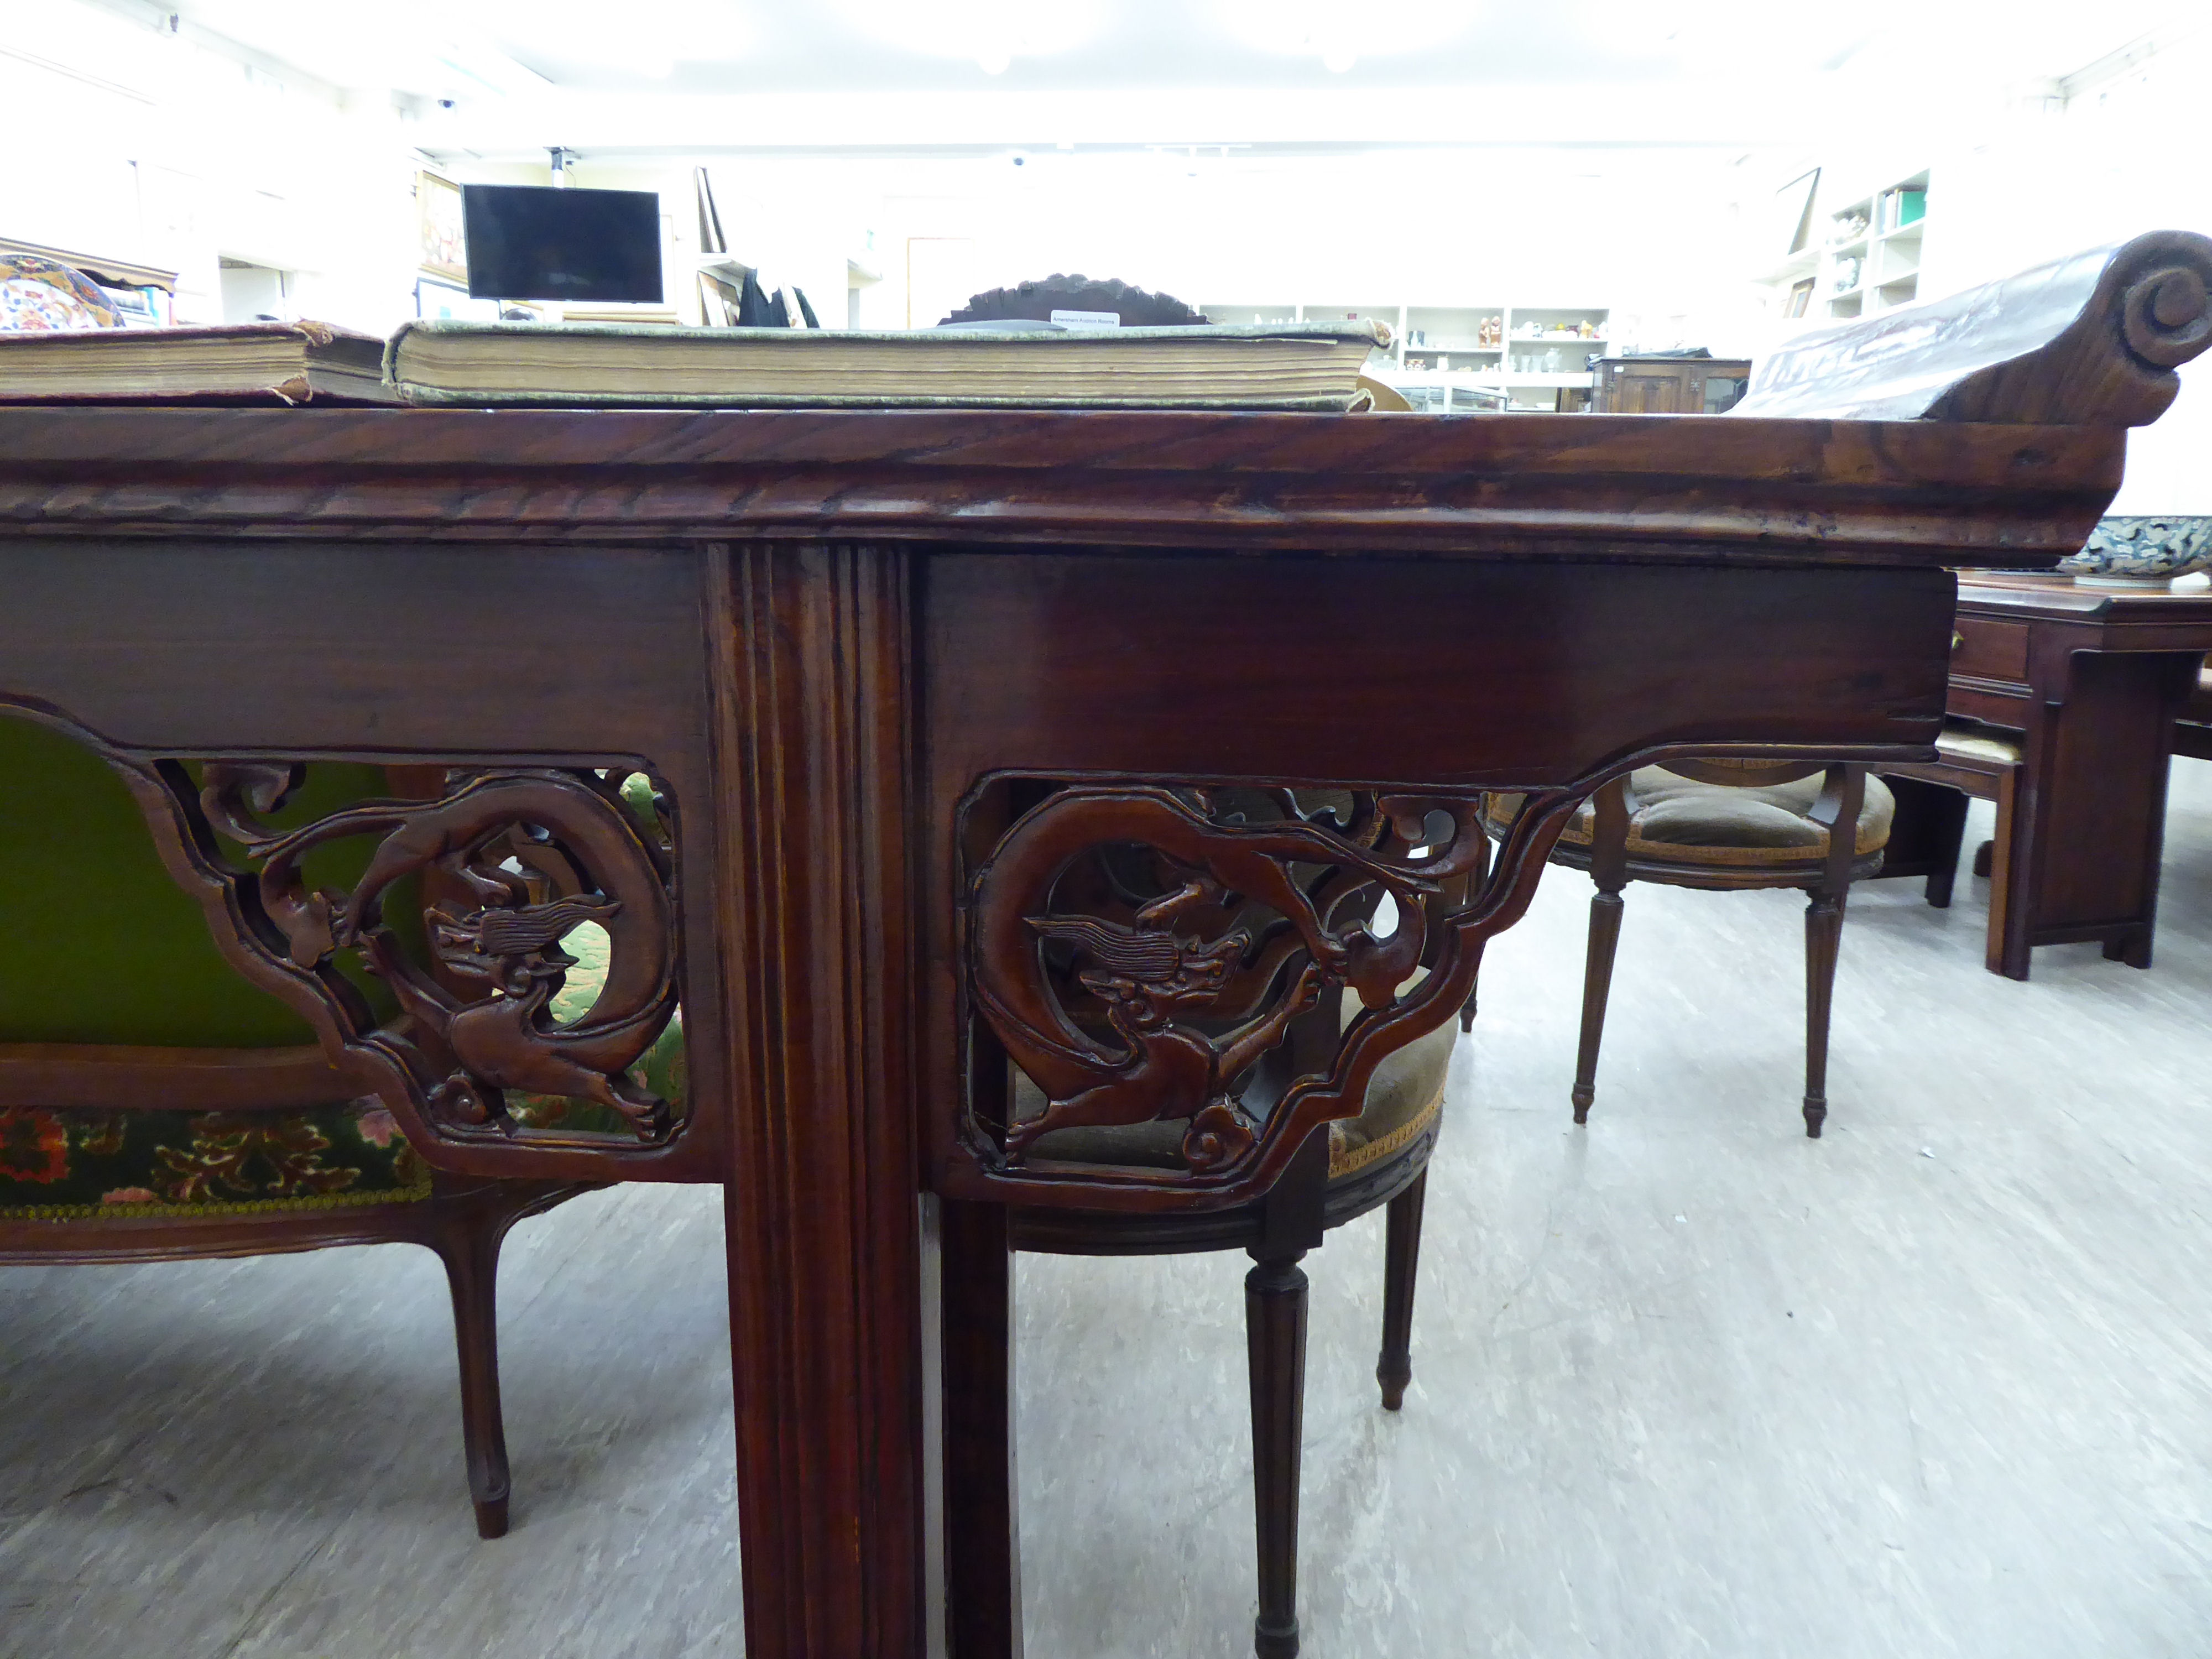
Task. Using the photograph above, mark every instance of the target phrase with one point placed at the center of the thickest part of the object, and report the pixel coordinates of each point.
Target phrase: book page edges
(429, 397)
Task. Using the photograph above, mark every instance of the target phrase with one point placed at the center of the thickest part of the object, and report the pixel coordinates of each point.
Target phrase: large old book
(235, 363)
(476, 364)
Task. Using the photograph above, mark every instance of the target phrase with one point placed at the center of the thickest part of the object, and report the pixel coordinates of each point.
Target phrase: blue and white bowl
(2135, 552)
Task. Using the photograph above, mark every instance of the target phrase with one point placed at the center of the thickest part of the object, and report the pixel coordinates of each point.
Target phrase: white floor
(1685, 1382)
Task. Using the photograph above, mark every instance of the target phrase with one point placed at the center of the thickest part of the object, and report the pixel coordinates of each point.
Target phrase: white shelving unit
(1867, 257)
(1438, 358)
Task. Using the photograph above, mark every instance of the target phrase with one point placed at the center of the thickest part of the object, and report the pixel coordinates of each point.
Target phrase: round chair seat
(1405, 1097)
(1371, 1160)
(1972, 745)
(1673, 820)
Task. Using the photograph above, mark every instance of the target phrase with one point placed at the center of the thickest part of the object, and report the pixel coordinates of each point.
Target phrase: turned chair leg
(1824, 932)
(1838, 809)
(467, 1236)
(1275, 1343)
(1597, 985)
(1609, 870)
(1402, 1259)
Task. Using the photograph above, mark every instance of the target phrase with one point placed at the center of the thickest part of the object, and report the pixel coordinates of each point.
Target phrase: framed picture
(435, 299)
(1793, 213)
(1801, 295)
(438, 210)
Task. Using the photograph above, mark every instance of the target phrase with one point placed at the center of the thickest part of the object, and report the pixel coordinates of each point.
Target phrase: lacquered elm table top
(891, 675)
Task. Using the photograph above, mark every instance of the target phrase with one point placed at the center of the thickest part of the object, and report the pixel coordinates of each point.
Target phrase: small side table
(2093, 678)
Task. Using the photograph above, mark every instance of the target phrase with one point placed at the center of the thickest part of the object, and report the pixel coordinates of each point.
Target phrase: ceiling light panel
(1341, 35)
(990, 33)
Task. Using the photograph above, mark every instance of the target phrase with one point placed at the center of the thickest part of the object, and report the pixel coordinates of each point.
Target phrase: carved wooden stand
(868, 657)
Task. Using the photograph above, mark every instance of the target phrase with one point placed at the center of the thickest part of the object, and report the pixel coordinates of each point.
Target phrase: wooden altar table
(888, 667)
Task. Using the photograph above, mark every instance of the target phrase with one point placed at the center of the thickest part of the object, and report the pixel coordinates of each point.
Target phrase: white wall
(2040, 180)
(161, 149)
(177, 155)
(1644, 232)
(152, 148)
(1638, 230)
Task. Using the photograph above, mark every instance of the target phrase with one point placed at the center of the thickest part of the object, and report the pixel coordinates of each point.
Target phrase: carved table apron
(885, 673)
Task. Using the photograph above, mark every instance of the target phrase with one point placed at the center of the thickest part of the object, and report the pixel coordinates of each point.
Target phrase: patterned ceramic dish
(2134, 552)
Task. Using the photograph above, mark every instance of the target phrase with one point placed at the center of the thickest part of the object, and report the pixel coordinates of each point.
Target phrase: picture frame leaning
(445, 250)
(1793, 213)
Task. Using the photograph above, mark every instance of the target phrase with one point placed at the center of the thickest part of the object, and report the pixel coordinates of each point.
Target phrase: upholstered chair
(1376, 1159)
(1725, 825)
(155, 1105)
(1380, 1157)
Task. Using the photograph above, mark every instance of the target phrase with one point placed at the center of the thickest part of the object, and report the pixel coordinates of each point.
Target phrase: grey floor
(1686, 1383)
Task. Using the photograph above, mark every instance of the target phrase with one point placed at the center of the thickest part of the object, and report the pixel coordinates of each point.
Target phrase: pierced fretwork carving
(1153, 953)
(508, 863)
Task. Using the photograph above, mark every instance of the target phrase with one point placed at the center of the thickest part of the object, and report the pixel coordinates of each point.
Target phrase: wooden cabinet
(1670, 386)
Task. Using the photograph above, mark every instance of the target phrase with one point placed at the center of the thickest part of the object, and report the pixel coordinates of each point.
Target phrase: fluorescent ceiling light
(429, 47)
(991, 33)
(648, 37)
(1341, 36)
(1726, 34)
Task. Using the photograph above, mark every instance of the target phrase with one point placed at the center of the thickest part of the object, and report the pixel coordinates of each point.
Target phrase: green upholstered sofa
(154, 1104)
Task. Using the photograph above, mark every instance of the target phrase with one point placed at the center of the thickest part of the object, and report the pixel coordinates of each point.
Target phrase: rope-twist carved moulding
(1165, 953)
(508, 863)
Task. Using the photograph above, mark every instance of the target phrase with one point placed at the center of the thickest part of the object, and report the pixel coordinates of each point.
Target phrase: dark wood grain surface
(811, 729)
(861, 647)
(1608, 487)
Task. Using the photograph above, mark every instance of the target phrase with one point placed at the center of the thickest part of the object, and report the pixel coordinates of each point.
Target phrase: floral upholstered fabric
(42, 293)
(65, 1166)
(71, 1165)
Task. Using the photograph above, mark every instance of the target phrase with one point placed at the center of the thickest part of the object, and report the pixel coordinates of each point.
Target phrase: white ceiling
(689, 71)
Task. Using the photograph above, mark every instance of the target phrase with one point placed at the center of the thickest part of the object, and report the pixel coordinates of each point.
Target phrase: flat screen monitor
(532, 242)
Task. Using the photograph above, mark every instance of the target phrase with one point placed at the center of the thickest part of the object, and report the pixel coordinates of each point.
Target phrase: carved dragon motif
(511, 862)
(1130, 1000)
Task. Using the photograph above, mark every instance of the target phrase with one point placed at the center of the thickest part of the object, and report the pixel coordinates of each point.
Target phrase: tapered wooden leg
(1597, 986)
(1824, 932)
(1842, 794)
(1609, 870)
(1401, 1257)
(982, 1564)
(1275, 1343)
(467, 1240)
